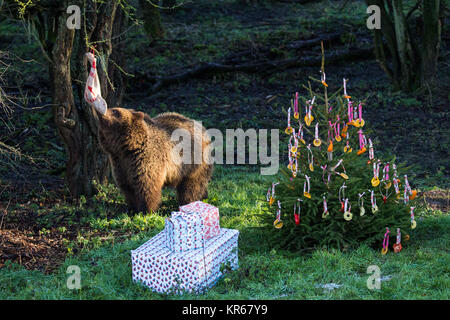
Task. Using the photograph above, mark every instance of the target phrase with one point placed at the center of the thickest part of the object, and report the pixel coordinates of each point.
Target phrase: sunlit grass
(420, 271)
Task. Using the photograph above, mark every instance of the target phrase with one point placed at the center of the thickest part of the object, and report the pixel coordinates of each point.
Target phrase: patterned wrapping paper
(210, 216)
(184, 231)
(163, 271)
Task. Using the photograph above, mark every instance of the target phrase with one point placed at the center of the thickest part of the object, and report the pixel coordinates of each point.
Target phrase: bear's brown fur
(140, 152)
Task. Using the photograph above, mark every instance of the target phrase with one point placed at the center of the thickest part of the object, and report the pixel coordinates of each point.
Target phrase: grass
(420, 271)
(98, 235)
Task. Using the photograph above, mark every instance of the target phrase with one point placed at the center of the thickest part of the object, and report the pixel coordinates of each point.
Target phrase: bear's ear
(138, 115)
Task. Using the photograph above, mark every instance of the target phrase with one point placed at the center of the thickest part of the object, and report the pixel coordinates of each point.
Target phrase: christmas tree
(335, 192)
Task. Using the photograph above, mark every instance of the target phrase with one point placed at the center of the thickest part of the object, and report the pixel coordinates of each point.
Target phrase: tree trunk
(76, 121)
(413, 54)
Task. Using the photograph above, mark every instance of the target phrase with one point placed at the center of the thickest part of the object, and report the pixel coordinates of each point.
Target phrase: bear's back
(172, 120)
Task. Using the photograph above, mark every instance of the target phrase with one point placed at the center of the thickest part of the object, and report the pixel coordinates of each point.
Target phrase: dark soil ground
(413, 127)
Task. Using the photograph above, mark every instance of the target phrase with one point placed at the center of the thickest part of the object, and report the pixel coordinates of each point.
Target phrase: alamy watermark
(374, 281)
(74, 280)
(255, 140)
(374, 20)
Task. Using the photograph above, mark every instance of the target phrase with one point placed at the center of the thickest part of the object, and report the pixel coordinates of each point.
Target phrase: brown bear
(140, 152)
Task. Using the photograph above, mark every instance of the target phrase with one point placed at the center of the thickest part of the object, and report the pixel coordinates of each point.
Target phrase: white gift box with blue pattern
(184, 231)
(166, 271)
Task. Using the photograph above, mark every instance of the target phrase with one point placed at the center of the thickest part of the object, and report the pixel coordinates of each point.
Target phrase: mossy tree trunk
(102, 25)
(410, 41)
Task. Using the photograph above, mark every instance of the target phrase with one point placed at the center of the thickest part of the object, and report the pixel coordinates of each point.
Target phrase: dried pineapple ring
(348, 215)
(278, 224)
(317, 142)
(362, 211)
(375, 181)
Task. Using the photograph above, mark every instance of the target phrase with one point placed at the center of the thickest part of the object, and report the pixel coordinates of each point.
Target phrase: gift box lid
(198, 206)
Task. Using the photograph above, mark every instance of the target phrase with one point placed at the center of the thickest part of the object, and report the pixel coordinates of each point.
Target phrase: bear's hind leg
(190, 190)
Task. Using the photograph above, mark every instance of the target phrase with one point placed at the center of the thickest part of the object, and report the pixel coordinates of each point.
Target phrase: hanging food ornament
(373, 201)
(325, 208)
(385, 242)
(297, 212)
(405, 196)
(342, 196)
(412, 193)
(330, 151)
(386, 181)
(413, 222)
(330, 146)
(347, 207)
(350, 113)
(278, 223)
(323, 78)
(362, 143)
(398, 246)
(310, 158)
(308, 116)
(305, 189)
(337, 130)
(296, 113)
(295, 145)
(300, 134)
(291, 160)
(347, 148)
(371, 152)
(272, 197)
(317, 142)
(342, 174)
(362, 211)
(359, 123)
(376, 170)
(395, 181)
(295, 169)
(344, 131)
(288, 128)
(346, 96)
(355, 116)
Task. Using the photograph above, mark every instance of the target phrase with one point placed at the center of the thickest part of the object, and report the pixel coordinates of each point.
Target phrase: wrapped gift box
(210, 216)
(165, 271)
(184, 231)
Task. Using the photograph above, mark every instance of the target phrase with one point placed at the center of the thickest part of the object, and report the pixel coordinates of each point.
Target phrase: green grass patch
(420, 271)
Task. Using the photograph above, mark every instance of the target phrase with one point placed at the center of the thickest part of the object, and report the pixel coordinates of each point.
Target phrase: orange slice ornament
(330, 146)
(361, 151)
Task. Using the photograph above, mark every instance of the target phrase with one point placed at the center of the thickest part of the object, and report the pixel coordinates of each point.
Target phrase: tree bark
(414, 54)
(76, 121)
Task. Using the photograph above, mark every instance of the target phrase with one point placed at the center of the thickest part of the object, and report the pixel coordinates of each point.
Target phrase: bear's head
(118, 126)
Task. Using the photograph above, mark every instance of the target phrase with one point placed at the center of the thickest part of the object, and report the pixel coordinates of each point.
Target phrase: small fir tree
(335, 192)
